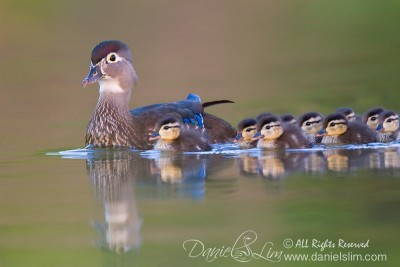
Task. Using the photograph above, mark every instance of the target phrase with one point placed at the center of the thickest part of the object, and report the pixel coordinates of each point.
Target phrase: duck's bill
(238, 137)
(94, 75)
(154, 136)
(257, 136)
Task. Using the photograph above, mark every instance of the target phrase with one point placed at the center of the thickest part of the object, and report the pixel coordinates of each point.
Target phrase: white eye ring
(112, 57)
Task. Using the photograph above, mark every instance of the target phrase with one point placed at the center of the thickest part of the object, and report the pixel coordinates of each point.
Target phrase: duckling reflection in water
(388, 128)
(247, 128)
(272, 133)
(371, 117)
(172, 135)
(311, 124)
(338, 130)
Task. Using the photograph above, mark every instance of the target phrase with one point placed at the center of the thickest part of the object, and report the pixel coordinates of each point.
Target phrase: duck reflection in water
(117, 174)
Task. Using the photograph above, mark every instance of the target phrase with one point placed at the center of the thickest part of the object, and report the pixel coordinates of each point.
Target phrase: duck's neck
(112, 125)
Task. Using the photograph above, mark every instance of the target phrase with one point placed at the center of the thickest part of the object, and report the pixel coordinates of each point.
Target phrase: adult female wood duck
(173, 135)
(338, 130)
(114, 125)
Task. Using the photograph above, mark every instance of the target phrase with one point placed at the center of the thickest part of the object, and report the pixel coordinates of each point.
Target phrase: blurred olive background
(286, 56)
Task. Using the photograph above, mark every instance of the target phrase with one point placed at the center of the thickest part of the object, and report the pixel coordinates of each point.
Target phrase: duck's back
(357, 133)
(292, 137)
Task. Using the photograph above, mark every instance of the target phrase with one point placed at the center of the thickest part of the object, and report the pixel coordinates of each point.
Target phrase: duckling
(371, 117)
(348, 113)
(388, 128)
(287, 118)
(272, 133)
(246, 130)
(311, 124)
(173, 136)
(337, 129)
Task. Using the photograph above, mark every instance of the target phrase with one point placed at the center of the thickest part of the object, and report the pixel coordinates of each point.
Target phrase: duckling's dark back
(191, 140)
(292, 137)
(357, 133)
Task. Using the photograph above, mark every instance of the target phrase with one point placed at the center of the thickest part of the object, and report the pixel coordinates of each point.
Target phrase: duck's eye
(389, 120)
(112, 58)
(333, 124)
(373, 118)
(166, 127)
(249, 129)
(308, 123)
(267, 127)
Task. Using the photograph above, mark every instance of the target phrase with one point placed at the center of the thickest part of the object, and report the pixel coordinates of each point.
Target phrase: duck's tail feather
(216, 102)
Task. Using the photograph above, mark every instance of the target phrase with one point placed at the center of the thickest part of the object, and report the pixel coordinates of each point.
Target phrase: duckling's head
(168, 129)
(371, 118)
(388, 122)
(310, 123)
(269, 128)
(246, 130)
(347, 112)
(334, 125)
(262, 115)
(111, 66)
(287, 118)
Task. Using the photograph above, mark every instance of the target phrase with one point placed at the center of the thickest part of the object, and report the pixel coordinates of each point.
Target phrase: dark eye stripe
(308, 123)
(269, 127)
(336, 123)
(250, 129)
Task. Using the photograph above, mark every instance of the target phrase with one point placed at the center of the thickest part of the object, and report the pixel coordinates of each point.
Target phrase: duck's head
(111, 66)
(269, 128)
(287, 118)
(167, 129)
(311, 122)
(246, 130)
(347, 112)
(388, 122)
(334, 125)
(371, 118)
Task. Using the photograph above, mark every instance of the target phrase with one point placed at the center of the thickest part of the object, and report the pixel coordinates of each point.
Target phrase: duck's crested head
(111, 66)
(388, 121)
(246, 129)
(347, 112)
(167, 129)
(335, 124)
(105, 48)
(270, 127)
(310, 122)
(371, 117)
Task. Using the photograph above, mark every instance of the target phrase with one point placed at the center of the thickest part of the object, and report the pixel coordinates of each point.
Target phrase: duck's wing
(219, 130)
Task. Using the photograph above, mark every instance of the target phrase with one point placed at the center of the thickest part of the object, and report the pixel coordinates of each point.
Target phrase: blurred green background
(286, 56)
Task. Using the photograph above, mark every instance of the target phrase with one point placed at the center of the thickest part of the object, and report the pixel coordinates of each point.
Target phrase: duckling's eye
(389, 120)
(166, 127)
(333, 124)
(112, 58)
(373, 118)
(308, 123)
(250, 129)
(267, 127)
